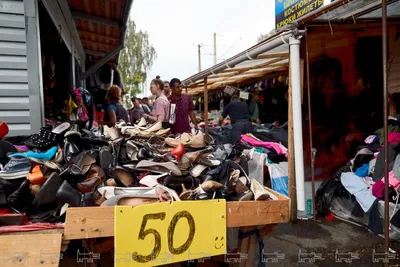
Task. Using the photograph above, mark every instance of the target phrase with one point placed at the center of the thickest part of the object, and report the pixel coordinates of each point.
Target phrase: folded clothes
(280, 149)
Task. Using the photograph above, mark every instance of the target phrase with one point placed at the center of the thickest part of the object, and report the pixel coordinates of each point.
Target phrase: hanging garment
(357, 187)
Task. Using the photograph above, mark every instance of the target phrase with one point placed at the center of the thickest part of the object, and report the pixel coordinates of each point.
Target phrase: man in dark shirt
(238, 112)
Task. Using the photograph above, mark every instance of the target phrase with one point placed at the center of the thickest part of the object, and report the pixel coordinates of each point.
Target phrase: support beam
(104, 21)
(206, 108)
(294, 44)
(95, 53)
(96, 66)
(291, 160)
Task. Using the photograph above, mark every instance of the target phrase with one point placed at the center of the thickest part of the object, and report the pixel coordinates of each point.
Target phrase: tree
(136, 58)
(262, 37)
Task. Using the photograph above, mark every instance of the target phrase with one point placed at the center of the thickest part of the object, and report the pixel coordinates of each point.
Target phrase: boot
(20, 199)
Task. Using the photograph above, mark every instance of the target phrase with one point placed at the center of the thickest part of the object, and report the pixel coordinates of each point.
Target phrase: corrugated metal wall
(14, 92)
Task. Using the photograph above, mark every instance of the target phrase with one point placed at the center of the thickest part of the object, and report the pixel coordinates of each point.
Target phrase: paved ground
(322, 240)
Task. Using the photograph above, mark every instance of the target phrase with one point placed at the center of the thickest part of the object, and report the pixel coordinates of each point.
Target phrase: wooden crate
(95, 222)
(38, 248)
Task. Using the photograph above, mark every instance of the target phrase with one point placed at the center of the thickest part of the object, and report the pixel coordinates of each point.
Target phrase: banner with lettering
(288, 11)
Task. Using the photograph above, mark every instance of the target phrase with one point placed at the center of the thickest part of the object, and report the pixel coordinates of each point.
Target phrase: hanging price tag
(163, 233)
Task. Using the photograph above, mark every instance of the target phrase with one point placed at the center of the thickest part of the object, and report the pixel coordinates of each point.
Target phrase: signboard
(244, 95)
(163, 233)
(288, 11)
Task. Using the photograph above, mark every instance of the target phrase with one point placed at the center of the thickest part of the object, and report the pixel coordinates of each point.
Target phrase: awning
(268, 56)
(101, 25)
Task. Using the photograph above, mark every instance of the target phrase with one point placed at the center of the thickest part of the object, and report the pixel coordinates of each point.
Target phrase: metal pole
(215, 49)
(310, 127)
(199, 57)
(294, 44)
(385, 126)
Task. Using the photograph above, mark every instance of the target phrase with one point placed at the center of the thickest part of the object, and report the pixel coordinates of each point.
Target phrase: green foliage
(136, 58)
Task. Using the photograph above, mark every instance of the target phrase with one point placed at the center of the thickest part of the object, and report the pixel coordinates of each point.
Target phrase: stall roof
(101, 25)
(274, 60)
(361, 9)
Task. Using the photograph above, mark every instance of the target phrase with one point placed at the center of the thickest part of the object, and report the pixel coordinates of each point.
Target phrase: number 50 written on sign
(162, 233)
(170, 234)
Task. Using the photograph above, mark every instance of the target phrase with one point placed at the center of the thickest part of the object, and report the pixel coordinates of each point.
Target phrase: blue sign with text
(288, 11)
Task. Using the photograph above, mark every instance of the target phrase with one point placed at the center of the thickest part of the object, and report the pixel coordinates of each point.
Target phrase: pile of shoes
(44, 174)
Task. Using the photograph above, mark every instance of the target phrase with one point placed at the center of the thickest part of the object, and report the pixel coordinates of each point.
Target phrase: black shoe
(48, 191)
(67, 194)
(21, 198)
(116, 147)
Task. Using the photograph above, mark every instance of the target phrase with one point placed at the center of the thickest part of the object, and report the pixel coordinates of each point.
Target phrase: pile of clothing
(355, 192)
(267, 152)
(43, 174)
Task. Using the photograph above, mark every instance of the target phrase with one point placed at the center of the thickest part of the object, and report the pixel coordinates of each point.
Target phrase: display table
(42, 248)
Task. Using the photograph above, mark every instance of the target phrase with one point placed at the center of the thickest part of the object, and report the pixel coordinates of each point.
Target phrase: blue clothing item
(362, 171)
(48, 155)
(357, 187)
(111, 107)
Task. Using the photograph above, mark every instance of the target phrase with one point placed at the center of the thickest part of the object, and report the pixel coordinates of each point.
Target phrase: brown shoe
(193, 141)
(243, 192)
(95, 177)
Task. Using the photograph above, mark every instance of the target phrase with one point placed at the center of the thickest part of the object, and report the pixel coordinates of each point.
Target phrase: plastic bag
(279, 177)
(256, 164)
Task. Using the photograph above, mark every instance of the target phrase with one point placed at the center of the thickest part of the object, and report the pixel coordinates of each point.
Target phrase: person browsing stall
(161, 106)
(135, 113)
(183, 110)
(115, 111)
(167, 89)
(239, 114)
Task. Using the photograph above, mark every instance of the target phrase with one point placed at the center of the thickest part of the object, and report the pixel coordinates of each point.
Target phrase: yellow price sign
(163, 233)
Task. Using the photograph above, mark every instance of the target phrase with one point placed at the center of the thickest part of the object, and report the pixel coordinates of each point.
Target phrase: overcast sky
(176, 27)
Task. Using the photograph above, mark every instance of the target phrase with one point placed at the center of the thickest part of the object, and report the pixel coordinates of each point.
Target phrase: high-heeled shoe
(233, 180)
(83, 164)
(152, 180)
(123, 178)
(200, 192)
(178, 152)
(95, 177)
(20, 199)
(260, 193)
(243, 193)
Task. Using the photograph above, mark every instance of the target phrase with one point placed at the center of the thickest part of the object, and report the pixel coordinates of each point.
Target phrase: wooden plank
(31, 249)
(250, 213)
(291, 169)
(262, 56)
(95, 222)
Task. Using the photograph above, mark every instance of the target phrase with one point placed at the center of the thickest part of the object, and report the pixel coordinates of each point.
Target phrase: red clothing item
(182, 109)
